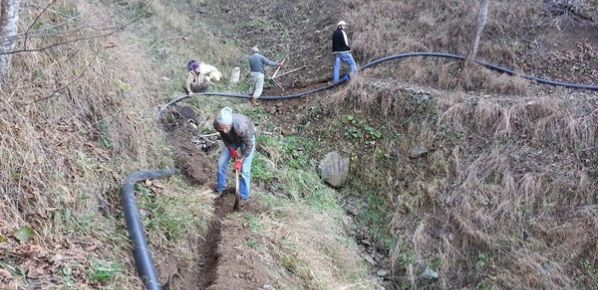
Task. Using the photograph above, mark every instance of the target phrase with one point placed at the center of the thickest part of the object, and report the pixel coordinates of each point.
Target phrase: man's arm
(246, 133)
(269, 62)
(248, 142)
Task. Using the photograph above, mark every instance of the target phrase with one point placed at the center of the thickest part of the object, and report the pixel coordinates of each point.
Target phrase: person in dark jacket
(238, 135)
(342, 51)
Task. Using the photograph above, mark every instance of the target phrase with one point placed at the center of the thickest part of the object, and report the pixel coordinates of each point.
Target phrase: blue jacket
(257, 62)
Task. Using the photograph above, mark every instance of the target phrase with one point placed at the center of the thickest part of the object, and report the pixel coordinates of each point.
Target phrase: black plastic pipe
(400, 56)
(141, 251)
(593, 87)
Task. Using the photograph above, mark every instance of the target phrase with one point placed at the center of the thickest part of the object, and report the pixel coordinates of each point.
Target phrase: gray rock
(382, 272)
(235, 76)
(429, 274)
(418, 152)
(334, 169)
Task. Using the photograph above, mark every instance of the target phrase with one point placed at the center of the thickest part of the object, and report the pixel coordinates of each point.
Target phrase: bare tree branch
(73, 40)
(35, 21)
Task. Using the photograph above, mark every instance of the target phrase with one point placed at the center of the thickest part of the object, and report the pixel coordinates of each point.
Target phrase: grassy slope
(53, 192)
(63, 158)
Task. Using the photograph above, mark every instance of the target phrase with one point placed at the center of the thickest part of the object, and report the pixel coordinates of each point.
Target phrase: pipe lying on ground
(142, 253)
(373, 63)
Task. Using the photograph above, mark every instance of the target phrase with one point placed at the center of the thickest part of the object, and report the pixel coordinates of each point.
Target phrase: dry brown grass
(506, 196)
(63, 158)
(512, 36)
(314, 248)
(505, 199)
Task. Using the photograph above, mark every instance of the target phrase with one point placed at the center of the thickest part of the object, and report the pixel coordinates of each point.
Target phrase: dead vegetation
(506, 193)
(518, 35)
(504, 197)
(76, 119)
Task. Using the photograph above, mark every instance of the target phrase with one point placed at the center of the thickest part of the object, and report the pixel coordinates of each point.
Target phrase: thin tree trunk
(9, 18)
(481, 23)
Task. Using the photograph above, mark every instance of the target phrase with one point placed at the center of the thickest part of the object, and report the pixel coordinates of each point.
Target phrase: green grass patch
(262, 169)
(102, 271)
(174, 213)
(298, 151)
(253, 222)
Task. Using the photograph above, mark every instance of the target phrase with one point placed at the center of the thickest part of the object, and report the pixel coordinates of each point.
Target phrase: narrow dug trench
(208, 249)
(191, 156)
(221, 258)
(202, 273)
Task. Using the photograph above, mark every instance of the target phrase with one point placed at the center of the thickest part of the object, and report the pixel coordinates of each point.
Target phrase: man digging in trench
(238, 136)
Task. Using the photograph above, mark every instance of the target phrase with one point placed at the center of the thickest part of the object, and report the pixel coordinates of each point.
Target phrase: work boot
(254, 101)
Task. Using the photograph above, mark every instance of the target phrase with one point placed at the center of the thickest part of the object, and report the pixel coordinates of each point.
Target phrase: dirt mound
(190, 148)
(193, 161)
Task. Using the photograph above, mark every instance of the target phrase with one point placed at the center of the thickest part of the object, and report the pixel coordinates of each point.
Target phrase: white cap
(225, 117)
(342, 22)
(255, 49)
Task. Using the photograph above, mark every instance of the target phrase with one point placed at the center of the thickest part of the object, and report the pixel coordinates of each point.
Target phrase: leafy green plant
(24, 234)
(297, 152)
(359, 129)
(102, 271)
(590, 268)
(105, 139)
(484, 260)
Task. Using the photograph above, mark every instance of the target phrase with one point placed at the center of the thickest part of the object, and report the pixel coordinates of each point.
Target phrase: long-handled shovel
(237, 193)
(278, 68)
(274, 75)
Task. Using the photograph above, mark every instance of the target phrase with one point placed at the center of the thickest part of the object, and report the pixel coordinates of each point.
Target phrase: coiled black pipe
(143, 256)
(386, 59)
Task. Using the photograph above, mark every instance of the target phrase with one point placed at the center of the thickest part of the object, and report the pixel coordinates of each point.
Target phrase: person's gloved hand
(238, 164)
(234, 154)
